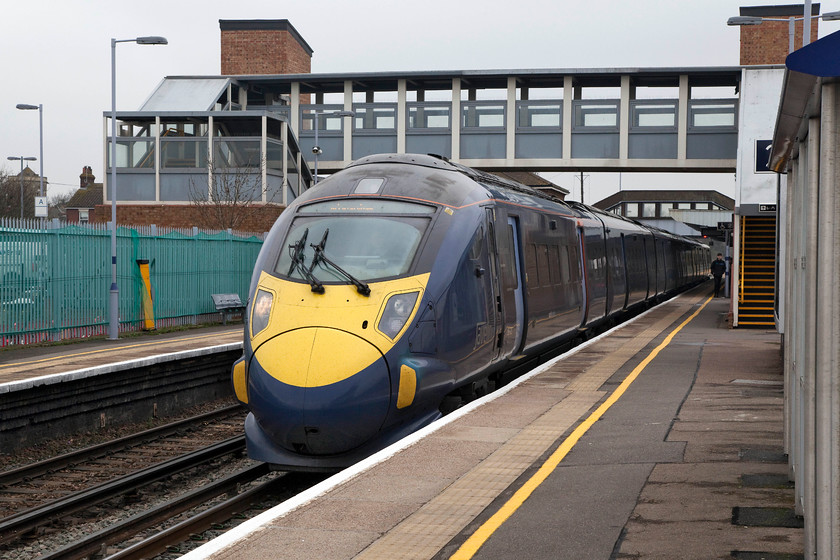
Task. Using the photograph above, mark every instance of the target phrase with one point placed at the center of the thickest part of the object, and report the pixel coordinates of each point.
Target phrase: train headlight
(397, 310)
(261, 312)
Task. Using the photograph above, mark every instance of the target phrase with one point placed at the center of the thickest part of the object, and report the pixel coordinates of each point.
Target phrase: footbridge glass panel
(653, 129)
(429, 128)
(539, 129)
(483, 133)
(595, 131)
(712, 129)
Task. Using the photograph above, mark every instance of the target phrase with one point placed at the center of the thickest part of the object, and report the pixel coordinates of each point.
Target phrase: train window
(574, 263)
(369, 185)
(367, 247)
(366, 206)
(542, 266)
(506, 259)
(554, 264)
(532, 275)
(477, 246)
(564, 264)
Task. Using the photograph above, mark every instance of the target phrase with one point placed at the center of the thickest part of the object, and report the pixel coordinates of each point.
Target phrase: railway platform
(56, 391)
(660, 439)
(28, 362)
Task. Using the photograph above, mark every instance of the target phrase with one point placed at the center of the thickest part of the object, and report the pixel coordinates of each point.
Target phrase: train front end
(326, 370)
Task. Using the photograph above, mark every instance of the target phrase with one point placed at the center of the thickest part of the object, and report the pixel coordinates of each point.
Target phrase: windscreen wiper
(361, 287)
(297, 263)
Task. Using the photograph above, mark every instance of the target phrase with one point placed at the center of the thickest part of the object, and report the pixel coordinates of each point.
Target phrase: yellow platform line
(480, 536)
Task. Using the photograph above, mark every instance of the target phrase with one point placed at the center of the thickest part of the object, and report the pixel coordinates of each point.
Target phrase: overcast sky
(57, 53)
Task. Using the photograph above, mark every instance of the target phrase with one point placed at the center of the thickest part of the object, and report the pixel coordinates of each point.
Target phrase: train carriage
(405, 281)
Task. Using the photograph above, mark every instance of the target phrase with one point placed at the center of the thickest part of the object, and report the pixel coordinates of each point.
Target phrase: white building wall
(759, 102)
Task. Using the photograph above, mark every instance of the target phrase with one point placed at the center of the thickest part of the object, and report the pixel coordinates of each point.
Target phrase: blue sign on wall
(762, 156)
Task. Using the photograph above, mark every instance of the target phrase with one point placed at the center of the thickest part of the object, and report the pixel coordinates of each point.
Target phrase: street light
(114, 301)
(806, 33)
(22, 159)
(40, 108)
(316, 149)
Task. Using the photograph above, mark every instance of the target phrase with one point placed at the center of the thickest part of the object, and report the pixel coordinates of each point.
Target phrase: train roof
(498, 187)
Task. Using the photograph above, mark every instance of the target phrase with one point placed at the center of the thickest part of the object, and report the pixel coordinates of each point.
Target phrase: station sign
(766, 207)
(762, 156)
(41, 207)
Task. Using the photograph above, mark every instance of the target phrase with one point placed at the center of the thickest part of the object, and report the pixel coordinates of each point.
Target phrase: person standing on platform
(718, 270)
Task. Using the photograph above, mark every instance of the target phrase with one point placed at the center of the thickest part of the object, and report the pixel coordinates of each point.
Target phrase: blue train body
(405, 280)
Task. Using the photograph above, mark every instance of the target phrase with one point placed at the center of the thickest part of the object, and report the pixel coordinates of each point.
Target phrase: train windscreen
(367, 239)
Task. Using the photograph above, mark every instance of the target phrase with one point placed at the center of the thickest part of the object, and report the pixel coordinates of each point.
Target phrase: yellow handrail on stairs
(741, 261)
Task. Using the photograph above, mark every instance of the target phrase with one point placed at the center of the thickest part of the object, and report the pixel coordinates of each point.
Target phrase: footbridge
(656, 119)
(660, 119)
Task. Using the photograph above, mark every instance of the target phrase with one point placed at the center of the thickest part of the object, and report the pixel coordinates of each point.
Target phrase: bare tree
(228, 197)
(10, 196)
(58, 205)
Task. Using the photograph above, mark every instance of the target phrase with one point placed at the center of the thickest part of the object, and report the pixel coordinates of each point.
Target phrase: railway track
(48, 480)
(142, 512)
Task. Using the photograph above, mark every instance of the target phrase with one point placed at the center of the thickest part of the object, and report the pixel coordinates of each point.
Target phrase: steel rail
(95, 542)
(290, 483)
(14, 526)
(46, 466)
(180, 532)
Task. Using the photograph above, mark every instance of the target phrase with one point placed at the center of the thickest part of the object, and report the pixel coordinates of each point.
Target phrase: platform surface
(605, 453)
(21, 363)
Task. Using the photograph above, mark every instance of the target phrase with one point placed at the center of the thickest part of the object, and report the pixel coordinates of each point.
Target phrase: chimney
(86, 178)
(768, 43)
(263, 46)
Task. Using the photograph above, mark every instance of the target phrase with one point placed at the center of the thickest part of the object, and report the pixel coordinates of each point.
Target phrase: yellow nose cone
(316, 356)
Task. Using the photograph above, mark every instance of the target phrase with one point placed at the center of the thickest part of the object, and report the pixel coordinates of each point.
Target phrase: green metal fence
(55, 279)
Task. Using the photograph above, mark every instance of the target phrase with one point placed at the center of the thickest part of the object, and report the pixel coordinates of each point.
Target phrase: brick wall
(259, 219)
(769, 42)
(263, 47)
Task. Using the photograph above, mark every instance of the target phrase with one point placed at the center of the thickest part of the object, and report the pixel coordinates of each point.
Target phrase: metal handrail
(741, 260)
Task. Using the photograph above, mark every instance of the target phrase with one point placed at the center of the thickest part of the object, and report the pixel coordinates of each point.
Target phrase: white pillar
(568, 116)
(347, 122)
(624, 119)
(682, 119)
(510, 120)
(401, 115)
(456, 119)
(827, 327)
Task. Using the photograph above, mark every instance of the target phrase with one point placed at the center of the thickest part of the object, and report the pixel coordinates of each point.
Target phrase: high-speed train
(404, 280)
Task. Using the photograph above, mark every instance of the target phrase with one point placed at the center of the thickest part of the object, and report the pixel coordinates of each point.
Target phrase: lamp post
(22, 159)
(316, 149)
(114, 300)
(40, 109)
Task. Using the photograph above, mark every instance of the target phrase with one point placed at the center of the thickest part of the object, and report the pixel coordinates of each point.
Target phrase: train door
(491, 284)
(513, 305)
(625, 268)
(584, 277)
(650, 267)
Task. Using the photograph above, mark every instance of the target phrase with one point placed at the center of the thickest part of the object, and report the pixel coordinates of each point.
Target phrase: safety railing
(55, 279)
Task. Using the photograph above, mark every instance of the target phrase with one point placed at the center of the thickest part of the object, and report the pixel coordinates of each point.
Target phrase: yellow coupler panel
(240, 380)
(408, 386)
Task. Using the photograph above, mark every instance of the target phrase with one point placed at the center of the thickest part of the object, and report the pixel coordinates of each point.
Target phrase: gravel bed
(59, 446)
(109, 513)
